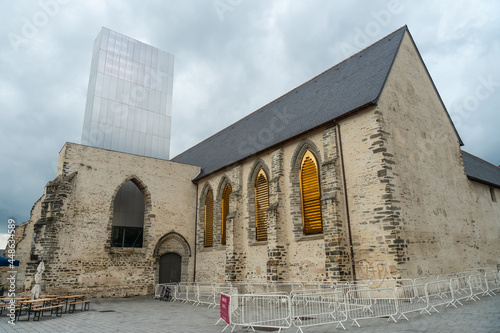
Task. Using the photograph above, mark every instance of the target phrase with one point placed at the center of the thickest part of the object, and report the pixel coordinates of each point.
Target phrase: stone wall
(72, 223)
(392, 185)
(281, 257)
(446, 223)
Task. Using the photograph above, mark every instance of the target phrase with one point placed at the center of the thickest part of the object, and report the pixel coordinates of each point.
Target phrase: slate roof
(480, 170)
(349, 86)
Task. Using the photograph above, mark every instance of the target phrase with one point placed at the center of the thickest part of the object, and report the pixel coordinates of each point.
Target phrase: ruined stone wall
(446, 222)
(72, 226)
(22, 241)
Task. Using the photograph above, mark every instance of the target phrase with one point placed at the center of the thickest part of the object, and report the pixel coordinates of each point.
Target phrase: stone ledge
(258, 243)
(304, 238)
(126, 250)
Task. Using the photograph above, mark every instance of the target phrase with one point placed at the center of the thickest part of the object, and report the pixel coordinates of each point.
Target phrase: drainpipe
(195, 226)
(195, 234)
(353, 267)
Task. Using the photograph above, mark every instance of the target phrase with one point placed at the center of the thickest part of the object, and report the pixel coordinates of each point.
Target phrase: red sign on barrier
(224, 307)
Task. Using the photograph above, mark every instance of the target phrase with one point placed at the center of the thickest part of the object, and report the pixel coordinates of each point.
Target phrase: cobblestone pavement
(144, 314)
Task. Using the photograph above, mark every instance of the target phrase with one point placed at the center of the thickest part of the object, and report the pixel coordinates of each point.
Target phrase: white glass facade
(129, 98)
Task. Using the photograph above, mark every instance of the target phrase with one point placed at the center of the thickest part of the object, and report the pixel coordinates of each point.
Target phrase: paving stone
(145, 314)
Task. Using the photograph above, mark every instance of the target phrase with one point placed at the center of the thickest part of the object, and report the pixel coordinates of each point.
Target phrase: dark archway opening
(170, 268)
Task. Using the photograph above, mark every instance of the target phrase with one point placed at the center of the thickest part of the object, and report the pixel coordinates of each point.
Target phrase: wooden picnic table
(39, 300)
(32, 306)
(70, 298)
(6, 302)
(8, 299)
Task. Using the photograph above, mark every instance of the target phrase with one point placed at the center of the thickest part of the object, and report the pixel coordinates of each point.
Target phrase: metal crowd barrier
(279, 305)
(461, 289)
(205, 294)
(371, 303)
(492, 281)
(411, 299)
(258, 310)
(318, 308)
(438, 293)
(478, 285)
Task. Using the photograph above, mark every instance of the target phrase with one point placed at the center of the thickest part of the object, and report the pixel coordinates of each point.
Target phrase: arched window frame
(146, 222)
(208, 219)
(226, 193)
(261, 195)
(310, 194)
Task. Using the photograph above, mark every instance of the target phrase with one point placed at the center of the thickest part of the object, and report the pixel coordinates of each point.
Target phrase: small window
(492, 193)
(128, 217)
(225, 210)
(209, 219)
(261, 205)
(310, 194)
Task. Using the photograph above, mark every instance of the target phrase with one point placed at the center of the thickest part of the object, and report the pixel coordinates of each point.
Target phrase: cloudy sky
(231, 57)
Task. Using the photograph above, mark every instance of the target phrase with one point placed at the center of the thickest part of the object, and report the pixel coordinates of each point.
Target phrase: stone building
(356, 174)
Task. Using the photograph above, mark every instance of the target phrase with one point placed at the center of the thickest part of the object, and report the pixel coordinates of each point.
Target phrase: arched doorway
(172, 253)
(170, 268)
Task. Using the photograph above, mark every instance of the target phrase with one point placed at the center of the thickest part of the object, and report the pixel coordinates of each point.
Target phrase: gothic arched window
(209, 219)
(261, 205)
(128, 216)
(310, 194)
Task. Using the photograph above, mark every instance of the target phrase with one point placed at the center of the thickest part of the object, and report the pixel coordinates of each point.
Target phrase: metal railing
(320, 307)
(371, 303)
(280, 305)
(258, 310)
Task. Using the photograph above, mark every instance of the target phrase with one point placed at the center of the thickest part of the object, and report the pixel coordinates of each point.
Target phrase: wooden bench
(19, 311)
(37, 311)
(85, 305)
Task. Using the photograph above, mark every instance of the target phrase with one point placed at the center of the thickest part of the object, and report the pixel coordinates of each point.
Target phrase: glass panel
(129, 141)
(149, 145)
(136, 142)
(142, 143)
(101, 62)
(137, 120)
(113, 83)
(119, 91)
(122, 139)
(105, 38)
(154, 145)
(130, 119)
(142, 59)
(162, 131)
(96, 108)
(137, 52)
(105, 86)
(154, 58)
(156, 123)
(149, 54)
(126, 236)
(99, 81)
(144, 122)
(151, 100)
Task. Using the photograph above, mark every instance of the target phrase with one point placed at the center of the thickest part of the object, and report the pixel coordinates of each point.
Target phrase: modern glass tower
(129, 98)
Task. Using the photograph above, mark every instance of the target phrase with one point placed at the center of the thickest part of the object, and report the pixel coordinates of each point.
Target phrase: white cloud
(224, 69)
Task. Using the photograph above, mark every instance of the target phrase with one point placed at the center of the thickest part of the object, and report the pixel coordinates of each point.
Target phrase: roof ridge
(482, 159)
(405, 27)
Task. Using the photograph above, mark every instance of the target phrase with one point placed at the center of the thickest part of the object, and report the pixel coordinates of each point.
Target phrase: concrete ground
(144, 314)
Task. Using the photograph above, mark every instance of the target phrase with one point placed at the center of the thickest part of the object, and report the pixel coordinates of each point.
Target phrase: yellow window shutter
(209, 219)
(310, 194)
(261, 205)
(225, 210)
